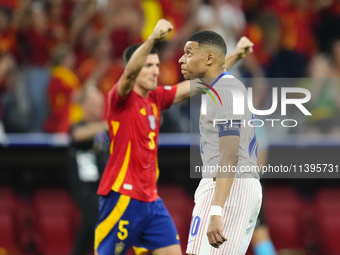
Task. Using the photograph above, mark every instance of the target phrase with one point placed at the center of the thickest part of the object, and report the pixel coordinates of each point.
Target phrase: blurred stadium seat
(8, 200)
(327, 208)
(283, 198)
(54, 221)
(8, 231)
(328, 201)
(8, 216)
(281, 206)
(329, 232)
(55, 234)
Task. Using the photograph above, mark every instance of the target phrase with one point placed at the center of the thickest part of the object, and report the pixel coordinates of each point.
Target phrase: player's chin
(152, 86)
(186, 76)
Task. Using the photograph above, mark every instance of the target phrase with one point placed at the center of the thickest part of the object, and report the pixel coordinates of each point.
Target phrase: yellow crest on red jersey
(155, 110)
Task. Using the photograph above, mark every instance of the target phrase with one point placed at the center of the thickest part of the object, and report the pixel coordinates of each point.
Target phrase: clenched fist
(215, 231)
(244, 47)
(161, 30)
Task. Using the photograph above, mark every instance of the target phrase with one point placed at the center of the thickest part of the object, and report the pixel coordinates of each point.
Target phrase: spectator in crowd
(7, 66)
(37, 57)
(7, 46)
(100, 68)
(11, 4)
(13, 98)
(224, 17)
(265, 31)
(82, 32)
(99, 31)
(7, 31)
(89, 153)
(57, 27)
(298, 43)
(228, 20)
(63, 91)
(328, 27)
(324, 104)
(124, 20)
(83, 44)
(336, 59)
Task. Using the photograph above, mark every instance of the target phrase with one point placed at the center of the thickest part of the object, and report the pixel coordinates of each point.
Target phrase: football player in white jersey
(225, 209)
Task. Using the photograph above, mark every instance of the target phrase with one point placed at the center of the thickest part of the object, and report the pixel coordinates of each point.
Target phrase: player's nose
(155, 71)
(181, 60)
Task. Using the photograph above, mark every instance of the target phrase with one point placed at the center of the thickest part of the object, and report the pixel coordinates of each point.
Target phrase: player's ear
(210, 58)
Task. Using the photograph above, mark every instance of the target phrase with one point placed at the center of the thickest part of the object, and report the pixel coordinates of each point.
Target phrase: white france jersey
(209, 135)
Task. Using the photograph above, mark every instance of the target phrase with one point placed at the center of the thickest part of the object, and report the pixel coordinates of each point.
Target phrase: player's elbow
(234, 159)
(229, 149)
(130, 75)
(230, 158)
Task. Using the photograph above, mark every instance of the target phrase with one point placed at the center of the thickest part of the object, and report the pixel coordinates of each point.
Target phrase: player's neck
(141, 91)
(212, 74)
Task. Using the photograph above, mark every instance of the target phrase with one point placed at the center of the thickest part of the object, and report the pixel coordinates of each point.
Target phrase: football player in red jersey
(131, 213)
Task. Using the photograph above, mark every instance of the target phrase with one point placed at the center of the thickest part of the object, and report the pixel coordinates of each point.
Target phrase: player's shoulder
(228, 75)
(227, 78)
(115, 100)
(160, 91)
(229, 82)
(113, 90)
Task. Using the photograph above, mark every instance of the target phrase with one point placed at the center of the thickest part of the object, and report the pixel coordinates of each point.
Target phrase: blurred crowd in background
(51, 51)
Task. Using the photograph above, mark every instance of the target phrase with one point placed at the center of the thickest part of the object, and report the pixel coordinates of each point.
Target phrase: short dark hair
(209, 38)
(130, 50)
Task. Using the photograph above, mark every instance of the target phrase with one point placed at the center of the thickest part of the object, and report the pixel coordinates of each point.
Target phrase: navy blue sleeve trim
(228, 129)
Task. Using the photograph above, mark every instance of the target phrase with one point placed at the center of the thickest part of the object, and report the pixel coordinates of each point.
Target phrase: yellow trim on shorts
(140, 250)
(104, 228)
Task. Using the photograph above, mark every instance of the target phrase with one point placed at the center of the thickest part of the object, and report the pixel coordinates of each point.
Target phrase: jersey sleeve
(221, 114)
(166, 95)
(114, 99)
(227, 128)
(221, 109)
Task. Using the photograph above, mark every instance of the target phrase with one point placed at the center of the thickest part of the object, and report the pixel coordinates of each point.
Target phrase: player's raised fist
(161, 30)
(244, 47)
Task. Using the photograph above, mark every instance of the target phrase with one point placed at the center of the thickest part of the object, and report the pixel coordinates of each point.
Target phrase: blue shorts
(125, 222)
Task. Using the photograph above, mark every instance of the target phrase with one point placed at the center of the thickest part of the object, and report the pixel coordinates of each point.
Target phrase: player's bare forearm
(243, 48)
(185, 90)
(231, 59)
(134, 66)
(223, 187)
(182, 92)
(229, 146)
(229, 149)
(138, 58)
(224, 182)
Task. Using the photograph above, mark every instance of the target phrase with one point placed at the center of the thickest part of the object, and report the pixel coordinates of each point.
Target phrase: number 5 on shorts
(123, 234)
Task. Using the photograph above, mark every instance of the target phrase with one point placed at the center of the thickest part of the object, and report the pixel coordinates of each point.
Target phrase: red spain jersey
(134, 123)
